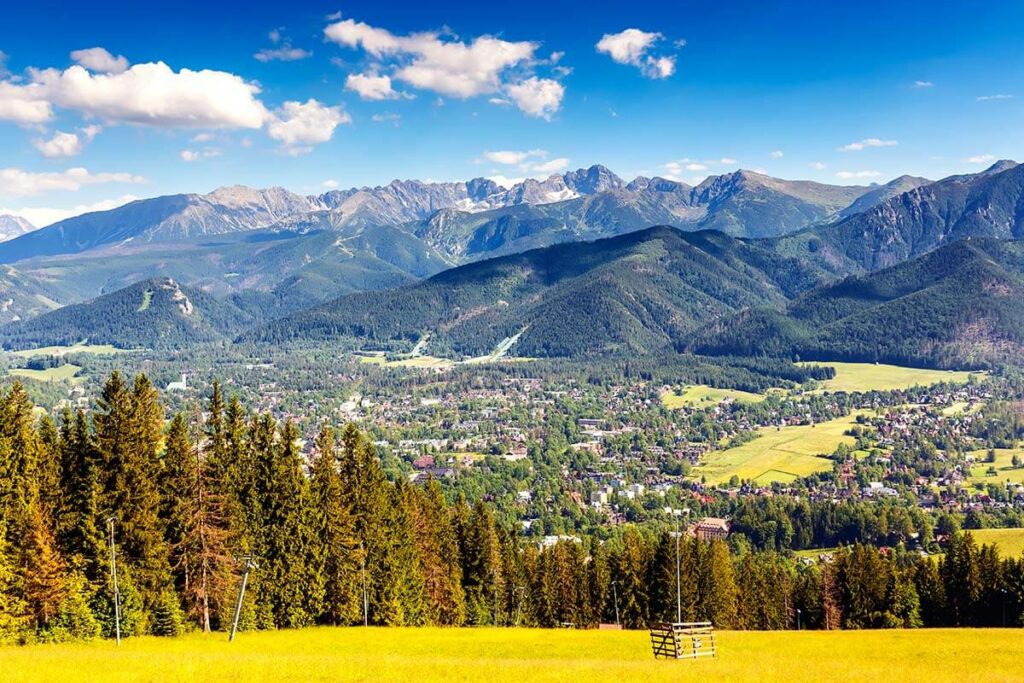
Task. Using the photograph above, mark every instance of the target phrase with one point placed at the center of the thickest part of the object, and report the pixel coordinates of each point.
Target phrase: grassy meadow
(61, 373)
(778, 454)
(524, 656)
(852, 377)
(1003, 464)
(1009, 541)
(81, 347)
(701, 395)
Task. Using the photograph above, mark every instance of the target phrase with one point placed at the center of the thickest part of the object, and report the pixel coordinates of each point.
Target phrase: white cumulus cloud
(994, 98)
(298, 125)
(371, 86)
(63, 144)
(15, 182)
(847, 175)
(199, 154)
(154, 95)
(540, 97)
(42, 216)
(455, 68)
(777, 154)
(980, 159)
(100, 60)
(530, 163)
(633, 47)
(866, 143)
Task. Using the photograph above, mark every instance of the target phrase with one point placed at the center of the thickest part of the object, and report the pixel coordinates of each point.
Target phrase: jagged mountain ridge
(740, 203)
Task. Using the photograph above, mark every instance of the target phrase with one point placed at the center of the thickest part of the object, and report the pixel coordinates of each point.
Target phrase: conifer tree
(44, 581)
(128, 433)
(481, 566)
(78, 524)
(334, 550)
(630, 575)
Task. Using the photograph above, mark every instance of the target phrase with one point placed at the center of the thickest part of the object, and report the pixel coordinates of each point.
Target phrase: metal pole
(241, 597)
(798, 619)
(615, 594)
(519, 610)
(113, 578)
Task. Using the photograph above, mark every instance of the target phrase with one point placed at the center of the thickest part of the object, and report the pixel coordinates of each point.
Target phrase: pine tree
(334, 550)
(194, 527)
(281, 534)
(43, 572)
(630, 571)
(129, 426)
(79, 530)
(438, 549)
(481, 566)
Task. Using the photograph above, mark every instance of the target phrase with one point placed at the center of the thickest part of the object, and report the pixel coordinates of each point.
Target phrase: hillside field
(524, 656)
(1010, 541)
(778, 454)
(61, 373)
(852, 377)
(701, 395)
(1005, 471)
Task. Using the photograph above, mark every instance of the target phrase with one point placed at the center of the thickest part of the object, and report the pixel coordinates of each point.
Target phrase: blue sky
(272, 95)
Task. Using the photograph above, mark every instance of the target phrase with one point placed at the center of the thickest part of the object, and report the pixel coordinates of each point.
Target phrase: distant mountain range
(212, 241)
(473, 266)
(13, 226)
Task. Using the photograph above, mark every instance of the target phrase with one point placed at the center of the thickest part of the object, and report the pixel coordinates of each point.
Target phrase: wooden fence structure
(688, 640)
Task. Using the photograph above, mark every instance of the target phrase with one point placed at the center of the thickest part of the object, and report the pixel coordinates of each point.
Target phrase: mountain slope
(157, 313)
(960, 305)
(13, 226)
(633, 293)
(987, 204)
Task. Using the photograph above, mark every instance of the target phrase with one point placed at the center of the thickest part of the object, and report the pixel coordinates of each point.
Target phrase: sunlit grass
(702, 395)
(778, 454)
(1009, 541)
(525, 656)
(61, 373)
(852, 377)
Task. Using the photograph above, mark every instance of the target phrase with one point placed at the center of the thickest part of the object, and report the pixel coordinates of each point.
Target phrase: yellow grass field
(704, 396)
(61, 373)
(525, 656)
(852, 377)
(1010, 541)
(778, 454)
(1003, 464)
(82, 347)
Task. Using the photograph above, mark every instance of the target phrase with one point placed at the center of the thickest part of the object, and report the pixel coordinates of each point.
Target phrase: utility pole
(249, 564)
(495, 604)
(615, 594)
(519, 610)
(113, 580)
(798, 612)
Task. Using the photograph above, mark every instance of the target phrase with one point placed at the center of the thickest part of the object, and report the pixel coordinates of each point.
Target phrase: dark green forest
(335, 542)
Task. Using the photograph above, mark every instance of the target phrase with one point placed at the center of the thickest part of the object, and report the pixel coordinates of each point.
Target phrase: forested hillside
(959, 306)
(154, 314)
(635, 293)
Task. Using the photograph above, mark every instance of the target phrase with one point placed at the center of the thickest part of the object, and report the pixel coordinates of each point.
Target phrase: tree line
(334, 541)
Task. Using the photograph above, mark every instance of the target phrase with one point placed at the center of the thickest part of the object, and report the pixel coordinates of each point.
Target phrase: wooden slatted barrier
(688, 640)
